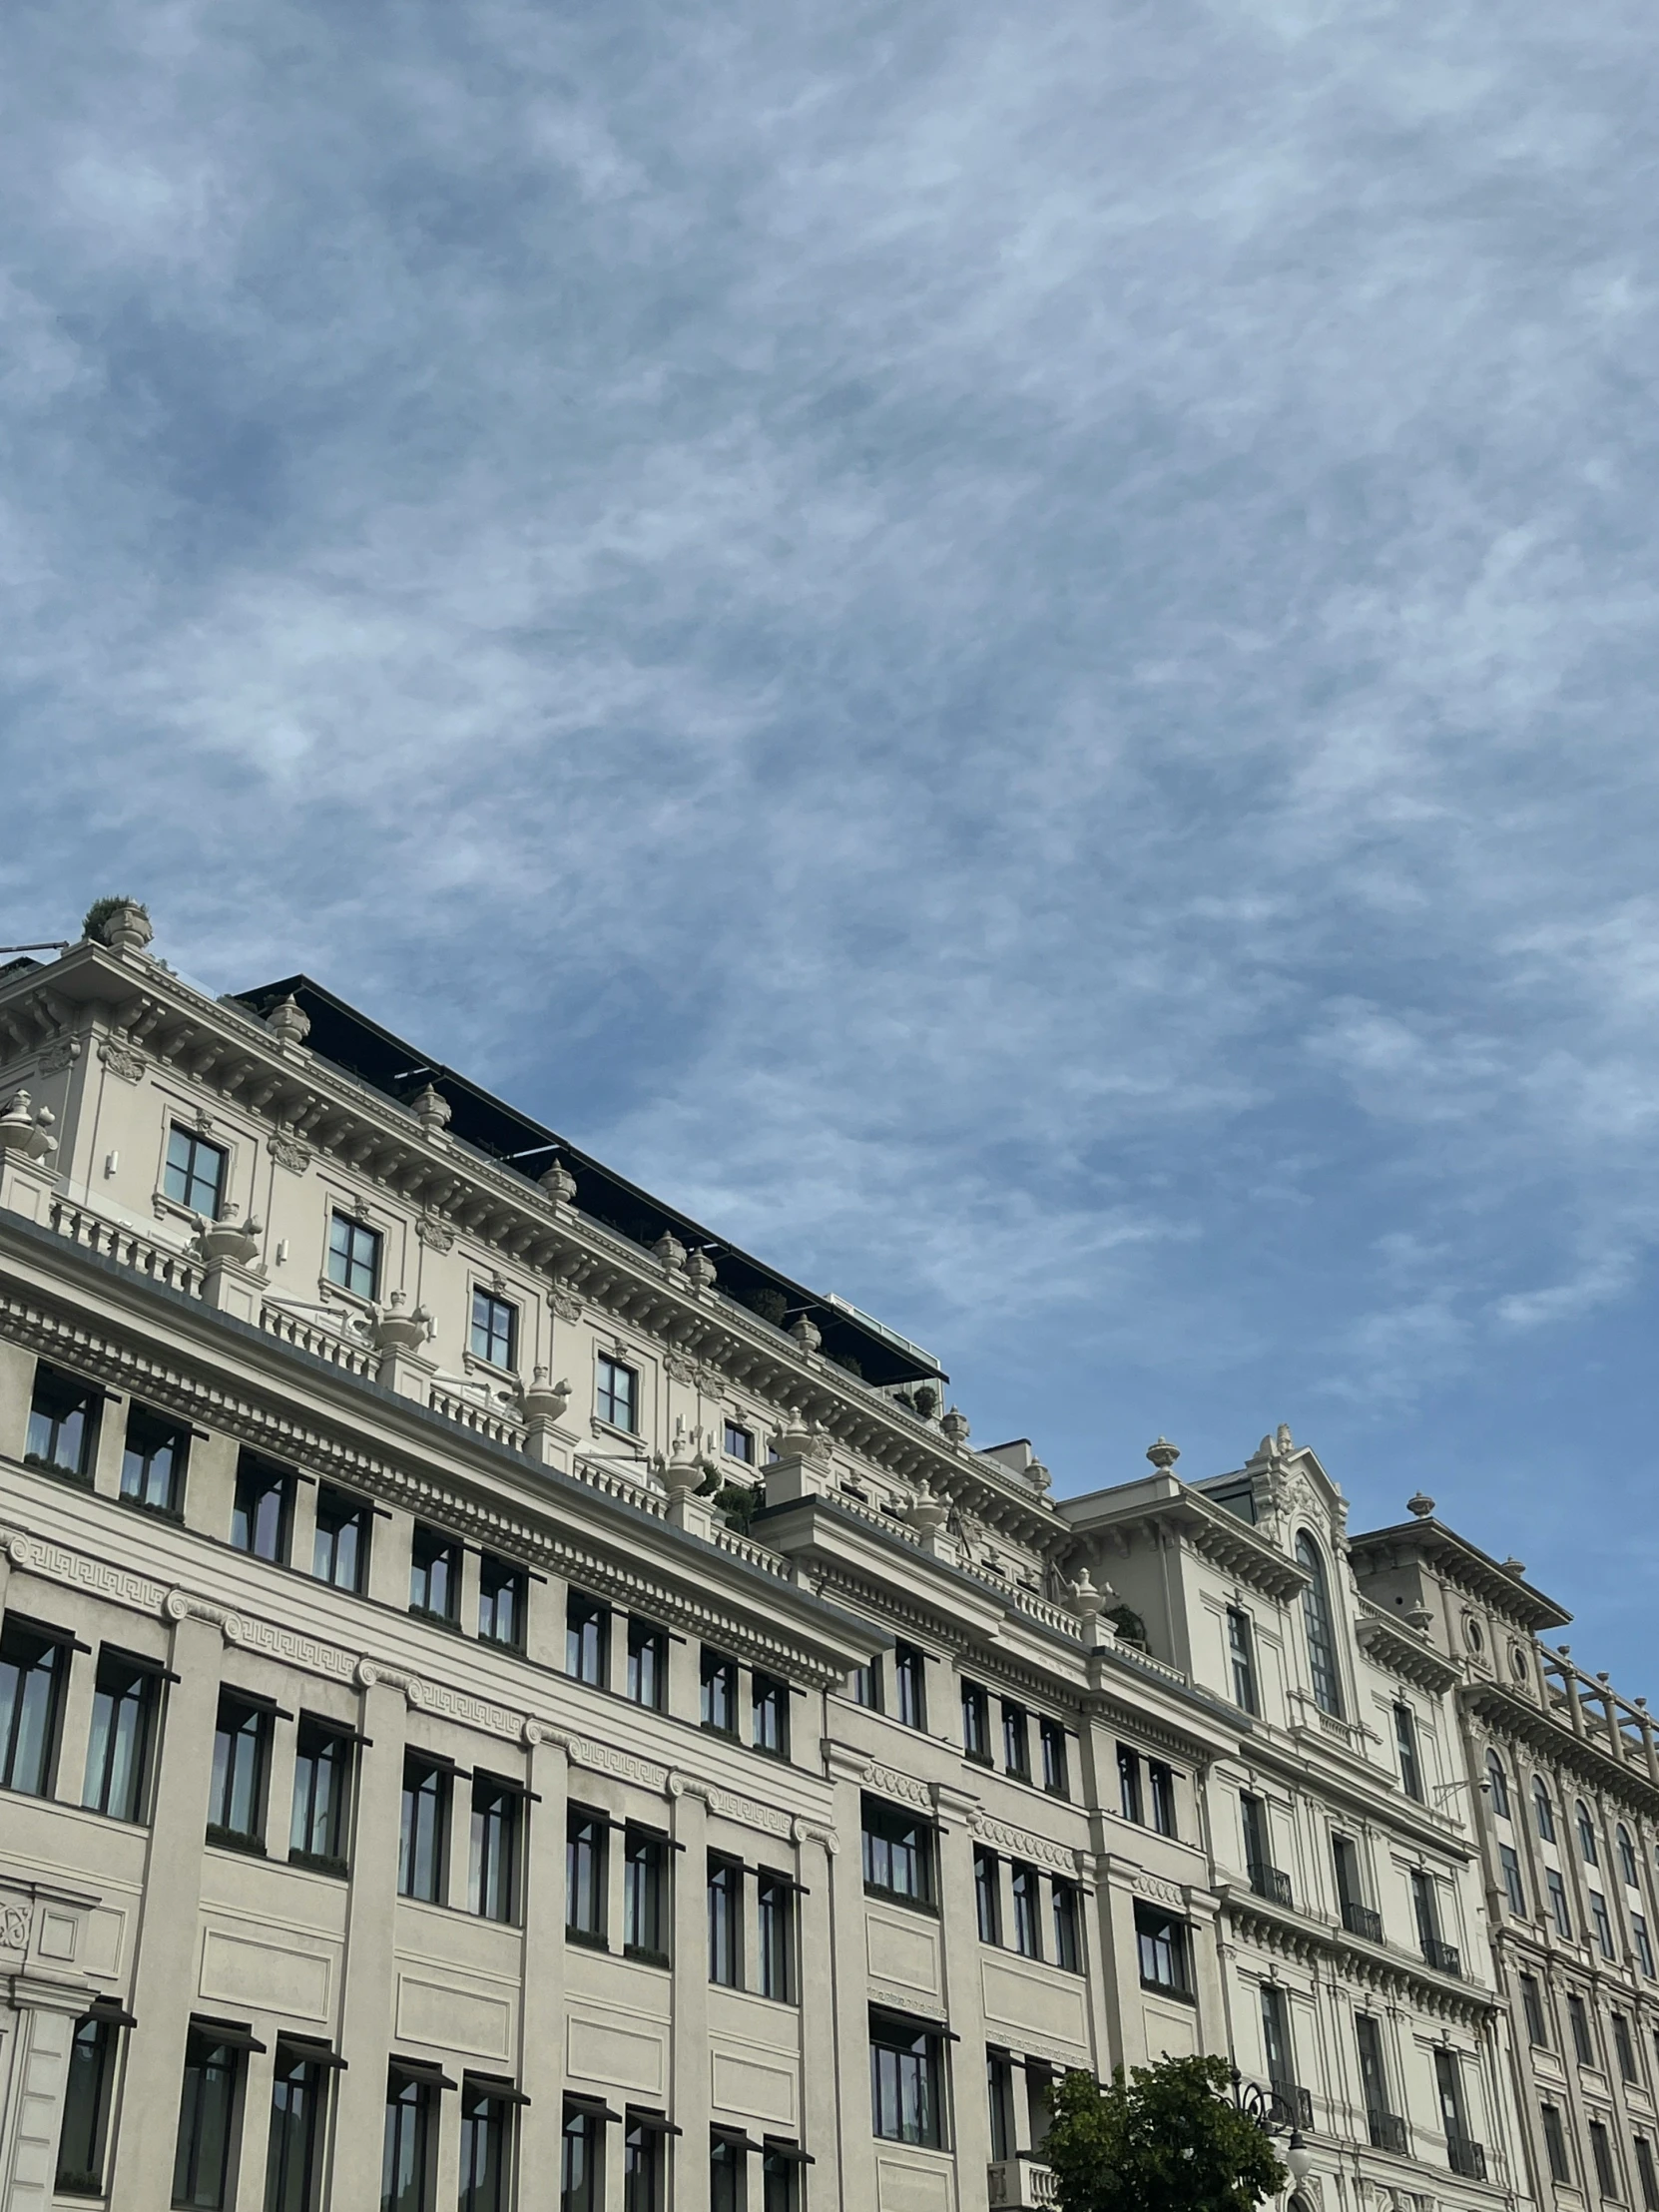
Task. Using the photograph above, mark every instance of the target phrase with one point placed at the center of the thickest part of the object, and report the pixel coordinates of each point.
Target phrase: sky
(1008, 652)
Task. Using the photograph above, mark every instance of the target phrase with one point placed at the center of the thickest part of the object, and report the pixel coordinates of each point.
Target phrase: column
(109, 1446)
(367, 2018)
(690, 2074)
(962, 1994)
(210, 1485)
(541, 2054)
(853, 2108)
(43, 2025)
(821, 1967)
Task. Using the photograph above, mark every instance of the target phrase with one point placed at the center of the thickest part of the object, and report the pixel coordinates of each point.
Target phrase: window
(84, 2136)
(354, 1255)
(1601, 2150)
(153, 1463)
(1542, 1810)
(1315, 1616)
(298, 2093)
(1587, 1834)
(485, 2148)
(317, 1829)
(1068, 1926)
(768, 1701)
(1276, 2037)
(1448, 2082)
(1602, 1924)
(195, 1173)
(645, 1896)
(1510, 1860)
(1253, 1816)
(424, 1844)
(261, 1511)
(1374, 2078)
(774, 1903)
(1532, 2005)
(503, 1592)
(339, 1549)
(493, 1881)
(977, 1723)
(1558, 1902)
(720, 1692)
(242, 1752)
(406, 2160)
(867, 1686)
(906, 2075)
(1645, 2174)
(581, 2162)
(1241, 1650)
(617, 1397)
(909, 1681)
(63, 1421)
(780, 2176)
(1584, 2048)
(739, 1444)
(584, 1839)
(1051, 1738)
(1497, 1786)
(123, 1724)
(1627, 1856)
(495, 1329)
(1555, 2142)
(434, 1575)
(207, 2109)
(1644, 1946)
(897, 1852)
(987, 1893)
(642, 2164)
(1023, 1888)
(1129, 1784)
(647, 1664)
(586, 1639)
(1000, 2091)
(725, 1922)
(727, 2174)
(1016, 1741)
(1162, 1785)
(1162, 1941)
(1425, 1906)
(1406, 1741)
(1624, 2047)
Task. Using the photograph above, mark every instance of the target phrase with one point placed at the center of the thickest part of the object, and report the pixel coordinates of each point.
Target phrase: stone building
(507, 1700)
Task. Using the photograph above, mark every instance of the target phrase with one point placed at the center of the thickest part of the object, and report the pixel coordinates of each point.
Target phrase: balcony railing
(1467, 2157)
(1018, 2183)
(1361, 1920)
(1291, 2105)
(1444, 1958)
(1271, 1881)
(1387, 2132)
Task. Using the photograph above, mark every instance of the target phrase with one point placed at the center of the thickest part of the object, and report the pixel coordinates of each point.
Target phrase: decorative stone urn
(1162, 1454)
(544, 1401)
(671, 1252)
(806, 1334)
(227, 1239)
(955, 1426)
(26, 1129)
(1090, 1605)
(559, 1184)
(289, 1023)
(700, 1271)
(800, 1439)
(393, 1329)
(928, 1513)
(127, 928)
(433, 1110)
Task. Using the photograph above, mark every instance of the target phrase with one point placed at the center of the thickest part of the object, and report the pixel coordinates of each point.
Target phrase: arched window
(1322, 1642)
(1498, 1785)
(1627, 1856)
(1586, 1833)
(1542, 1806)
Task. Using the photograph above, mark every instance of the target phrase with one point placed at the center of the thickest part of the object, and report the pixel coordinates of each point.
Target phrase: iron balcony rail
(1443, 1956)
(1291, 2105)
(1467, 2157)
(1387, 2132)
(1271, 1881)
(1360, 1920)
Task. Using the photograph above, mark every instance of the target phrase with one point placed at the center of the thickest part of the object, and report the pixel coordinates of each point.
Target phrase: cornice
(1217, 1535)
(1364, 1793)
(1290, 1935)
(1399, 1650)
(1517, 1719)
(1466, 1568)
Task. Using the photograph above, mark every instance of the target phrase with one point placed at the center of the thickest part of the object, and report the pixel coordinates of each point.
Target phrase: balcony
(1387, 2132)
(1272, 1883)
(1018, 2183)
(1360, 1920)
(1467, 2157)
(1291, 2105)
(1444, 1958)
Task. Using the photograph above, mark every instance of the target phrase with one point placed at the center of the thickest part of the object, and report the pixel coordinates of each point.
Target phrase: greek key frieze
(100, 1576)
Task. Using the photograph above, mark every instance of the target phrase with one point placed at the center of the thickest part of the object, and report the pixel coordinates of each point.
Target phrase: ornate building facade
(508, 1701)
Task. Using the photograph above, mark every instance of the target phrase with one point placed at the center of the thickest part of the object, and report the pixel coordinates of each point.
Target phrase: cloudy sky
(1009, 651)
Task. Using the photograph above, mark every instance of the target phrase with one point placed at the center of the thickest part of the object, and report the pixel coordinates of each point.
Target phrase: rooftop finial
(289, 1021)
(1162, 1454)
(1420, 1504)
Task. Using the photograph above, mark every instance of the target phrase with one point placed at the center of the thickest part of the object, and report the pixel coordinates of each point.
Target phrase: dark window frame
(425, 1821)
(899, 1848)
(140, 1488)
(617, 1400)
(1163, 1946)
(325, 1778)
(241, 1776)
(493, 1337)
(59, 1401)
(110, 1740)
(261, 1508)
(182, 1183)
(355, 1255)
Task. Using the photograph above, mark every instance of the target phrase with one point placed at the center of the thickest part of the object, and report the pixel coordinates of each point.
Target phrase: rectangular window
(492, 1880)
(1162, 1791)
(647, 1664)
(645, 1896)
(503, 1593)
(207, 2111)
(123, 1702)
(1406, 1741)
(63, 1422)
(780, 2177)
(1509, 1861)
(1558, 1902)
(898, 1852)
(84, 2136)
(1425, 1907)
(485, 2129)
(153, 1463)
(1602, 1924)
(1624, 2049)
(1000, 2091)
(909, 1681)
(409, 2154)
(434, 1575)
(495, 1329)
(354, 1255)
(1644, 1946)
(424, 1844)
(642, 2161)
(1068, 1926)
(1276, 2039)
(298, 2090)
(242, 1755)
(1241, 1650)
(581, 2162)
(727, 2174)
(725, 1922)
(1373, 2081)
(1532, 2006)
(1023, 1888)
(987, 1893)
(586, 1835)
(739, 1444)
(195, 1173)
(34, 1666)
(263, 1508)
(1645, 2174)
(318, 1829)
(1555, 2142)
(340, 1548)
(586, 1639)
(617, 1395)
(770, 1712)
(720, 1692)
(774, 1903)
(1601, 2150)
(905, 2081)
(1051, 1739)
(1164, 1945)
(864, 1685)
(977, 1723)
(1016, 1741)
(1129, 1784)
(1584, 2049)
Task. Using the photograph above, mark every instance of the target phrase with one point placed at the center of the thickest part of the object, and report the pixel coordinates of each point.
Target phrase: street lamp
(1297, 2156)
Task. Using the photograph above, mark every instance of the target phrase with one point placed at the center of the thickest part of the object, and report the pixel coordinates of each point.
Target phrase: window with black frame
(770, 1712)
(486, 2143)
(354, 1255)
(1532, 2008)
(434, 1575)
(720, 1692)
(492, 1878)
(1129, 1784)
(1601, 2151)
(781, 2168)
(320, 1825)
(1557, 1891)
(728, 2173)
(503, 1593)
(1646, 2173)
(645, 2143)
(866, 1686)
(1578, 2019)
(1555, 2143)
(153, 1461)
(1161, 1792)
(581, 2161)
(999, 2096)
(1405, 1742)
(410, 2147)
(775, 1896)
(1068, 1925)
(207, 2116)
(647, 1663)
(739, 1442)
(586, 1639)
(1052, 1738)
(125, 1699)
(423, 1837)
(34, 1667)
(646, 1857)
(89, 2094)
(340, 1547)
(898, 1852)
(242, 1759)
(909, 1682)
(725, 1920)
(1510, 1863)
(495, 1329)
(299, 2109)
(1023, 1891)
(1240, 1652)
(977, 1723)
(1164, 1943)
(587, 1834)
(987, 1894)
(906, 2079)
(1319, 1630)
(617, 1395)
(263, 1508)
(62, 1423)
(194, 1176)
(1016, 1741)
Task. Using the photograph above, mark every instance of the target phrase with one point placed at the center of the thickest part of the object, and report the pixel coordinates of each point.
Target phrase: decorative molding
(805, 1833)
(907, 1789)
(1160, 1892)
(287, 1645)
(16, 1926)
(59, 1056)
(1019, 1843)
(102, 1577)
(772, 1820)
(599, 1757)
(434, 1233)
(455, 1705)
(289, 1151)
(681, 1367)
(125, 1060)
(566, 1305)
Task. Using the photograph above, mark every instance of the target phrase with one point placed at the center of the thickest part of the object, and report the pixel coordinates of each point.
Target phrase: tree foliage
(1167, 2139)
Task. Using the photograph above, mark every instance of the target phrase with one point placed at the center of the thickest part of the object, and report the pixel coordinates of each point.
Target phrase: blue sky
(1010, 652)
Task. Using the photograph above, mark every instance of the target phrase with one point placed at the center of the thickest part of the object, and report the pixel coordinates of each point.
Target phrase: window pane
(153, 1461)
(86, 2114)
(118, 1746)
(206, 2110)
